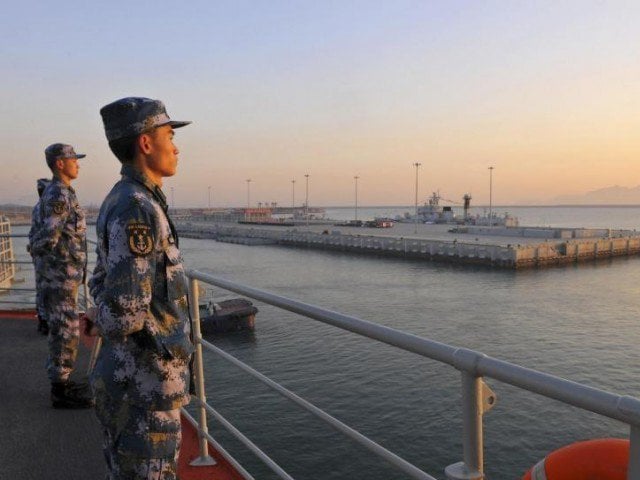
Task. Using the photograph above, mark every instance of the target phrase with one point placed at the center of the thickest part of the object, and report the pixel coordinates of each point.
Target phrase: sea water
(578, 322)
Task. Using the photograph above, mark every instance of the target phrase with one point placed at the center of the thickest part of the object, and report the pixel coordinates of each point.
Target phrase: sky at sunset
(547, 92)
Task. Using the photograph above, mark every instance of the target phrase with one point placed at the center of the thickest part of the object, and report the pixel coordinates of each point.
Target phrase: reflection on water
(576, 322)
(231, 339)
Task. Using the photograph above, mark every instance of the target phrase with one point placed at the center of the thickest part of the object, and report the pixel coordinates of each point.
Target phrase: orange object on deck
(602, 459)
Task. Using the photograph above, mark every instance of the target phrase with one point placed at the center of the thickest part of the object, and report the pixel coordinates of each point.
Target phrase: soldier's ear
(144, 143)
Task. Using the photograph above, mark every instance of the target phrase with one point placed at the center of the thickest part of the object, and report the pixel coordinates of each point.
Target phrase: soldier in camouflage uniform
(60, 246)
(43, 325)
(141, 377)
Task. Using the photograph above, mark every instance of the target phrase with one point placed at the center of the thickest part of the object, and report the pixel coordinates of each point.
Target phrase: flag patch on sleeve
(57, 207)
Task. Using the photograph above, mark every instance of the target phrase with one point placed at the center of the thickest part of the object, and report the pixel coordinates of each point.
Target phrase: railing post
(472, 467)
(203, 430)
(633, 471)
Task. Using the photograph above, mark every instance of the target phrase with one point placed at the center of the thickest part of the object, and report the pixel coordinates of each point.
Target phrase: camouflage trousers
(60, 299)
(40, 305)
(139, 444)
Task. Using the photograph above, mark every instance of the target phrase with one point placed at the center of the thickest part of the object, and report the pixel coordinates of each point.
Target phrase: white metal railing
(477, 398)
(7, 269)
(8, 262)
(194, 276)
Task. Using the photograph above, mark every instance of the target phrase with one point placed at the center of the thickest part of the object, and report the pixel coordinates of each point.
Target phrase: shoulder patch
(57, 207)
(139, 239)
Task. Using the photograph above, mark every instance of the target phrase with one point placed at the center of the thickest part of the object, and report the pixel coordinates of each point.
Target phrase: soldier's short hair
(51, 163)
(124, 148)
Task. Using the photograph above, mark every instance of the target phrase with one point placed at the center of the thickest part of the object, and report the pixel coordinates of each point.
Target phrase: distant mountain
(615, 195)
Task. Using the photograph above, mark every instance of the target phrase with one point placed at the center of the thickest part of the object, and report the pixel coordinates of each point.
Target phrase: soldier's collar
(58, 181)
(136, 175)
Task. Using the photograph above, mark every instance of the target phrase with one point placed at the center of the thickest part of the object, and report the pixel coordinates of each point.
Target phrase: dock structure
(525, 248)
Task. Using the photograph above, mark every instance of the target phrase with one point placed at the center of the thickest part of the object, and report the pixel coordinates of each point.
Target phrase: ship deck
(40, 442)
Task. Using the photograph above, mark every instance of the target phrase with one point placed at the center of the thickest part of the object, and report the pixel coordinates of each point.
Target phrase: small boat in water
(232, 315)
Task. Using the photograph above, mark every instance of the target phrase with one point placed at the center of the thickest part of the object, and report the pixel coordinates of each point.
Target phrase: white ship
(432, 212)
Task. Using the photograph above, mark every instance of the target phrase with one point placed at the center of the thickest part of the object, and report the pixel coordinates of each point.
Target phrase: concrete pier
(435, 243)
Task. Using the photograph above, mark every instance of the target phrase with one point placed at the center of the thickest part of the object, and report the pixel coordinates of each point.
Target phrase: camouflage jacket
(60, 236)
(41, 184)
(140, 292)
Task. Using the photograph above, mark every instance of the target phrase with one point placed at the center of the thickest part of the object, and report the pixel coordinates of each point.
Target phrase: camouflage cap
(135, 115)
(57, 151)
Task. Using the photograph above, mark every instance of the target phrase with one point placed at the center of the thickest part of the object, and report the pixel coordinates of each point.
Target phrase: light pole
(293, 194)
(306, 201)
(415, 215)
(491, 196)
(209, 190)
(356, 179)
(247, 215)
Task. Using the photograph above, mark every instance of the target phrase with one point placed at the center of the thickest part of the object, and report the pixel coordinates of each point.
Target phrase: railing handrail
(473, 366)
(382, 452)
(619, 407)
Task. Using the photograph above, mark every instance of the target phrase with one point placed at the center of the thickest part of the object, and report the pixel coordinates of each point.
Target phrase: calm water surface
(578, 322)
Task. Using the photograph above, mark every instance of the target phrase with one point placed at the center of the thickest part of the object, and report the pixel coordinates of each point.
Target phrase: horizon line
(352, 207)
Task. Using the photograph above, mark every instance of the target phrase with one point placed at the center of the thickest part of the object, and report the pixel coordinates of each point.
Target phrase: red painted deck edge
(190, 451)
(25, 314)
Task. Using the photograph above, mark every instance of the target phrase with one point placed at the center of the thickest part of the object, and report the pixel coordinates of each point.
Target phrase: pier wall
(511, 256)
(577, 251)
(546, 232)
(453, 252)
